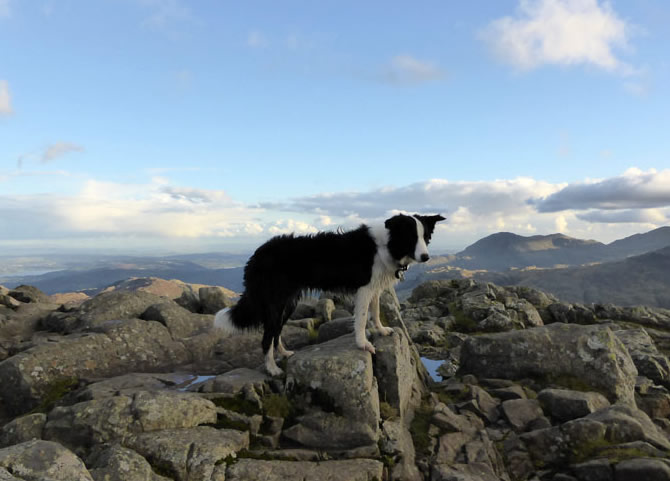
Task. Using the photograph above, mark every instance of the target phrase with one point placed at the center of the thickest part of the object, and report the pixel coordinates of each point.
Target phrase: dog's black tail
(241, 317)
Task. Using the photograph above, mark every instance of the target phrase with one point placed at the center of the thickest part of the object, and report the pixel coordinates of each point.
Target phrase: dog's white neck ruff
(381, 236)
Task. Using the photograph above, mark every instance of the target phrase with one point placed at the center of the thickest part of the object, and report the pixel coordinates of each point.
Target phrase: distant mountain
(637, 280)
(101, 277)
(504, 250)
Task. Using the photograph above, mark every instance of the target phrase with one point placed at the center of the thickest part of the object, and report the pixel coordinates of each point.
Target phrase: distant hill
(504, 250)
(101, 277)
(637, 280)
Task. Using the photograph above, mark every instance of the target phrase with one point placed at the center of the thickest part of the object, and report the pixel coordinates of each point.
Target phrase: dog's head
(409, 236)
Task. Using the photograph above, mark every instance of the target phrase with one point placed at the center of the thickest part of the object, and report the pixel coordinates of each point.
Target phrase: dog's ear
(429, 222)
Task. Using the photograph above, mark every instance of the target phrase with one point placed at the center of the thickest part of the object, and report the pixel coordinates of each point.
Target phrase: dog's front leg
(363, 298)
(374, 309)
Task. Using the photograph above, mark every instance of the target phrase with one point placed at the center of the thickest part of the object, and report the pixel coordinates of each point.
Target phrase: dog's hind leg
(281, 349)
(374, 310)
(268, 349)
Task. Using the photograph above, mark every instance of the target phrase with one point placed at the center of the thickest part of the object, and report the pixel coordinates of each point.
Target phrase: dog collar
(400, 273)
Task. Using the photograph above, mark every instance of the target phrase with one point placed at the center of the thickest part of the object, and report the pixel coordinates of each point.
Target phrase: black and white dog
(365, 261)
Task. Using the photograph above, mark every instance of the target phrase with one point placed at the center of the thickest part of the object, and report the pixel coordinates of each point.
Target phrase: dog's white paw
(287, 353)
(386, 331)
(367, 346)
(274, 370)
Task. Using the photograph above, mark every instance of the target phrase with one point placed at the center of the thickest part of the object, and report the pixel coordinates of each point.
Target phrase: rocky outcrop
(136, 386)
(589, 356)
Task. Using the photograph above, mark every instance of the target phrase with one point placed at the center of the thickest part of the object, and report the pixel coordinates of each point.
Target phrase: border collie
(365, 261)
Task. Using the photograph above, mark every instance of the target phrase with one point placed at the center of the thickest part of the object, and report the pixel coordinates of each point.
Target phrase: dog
(364, 261)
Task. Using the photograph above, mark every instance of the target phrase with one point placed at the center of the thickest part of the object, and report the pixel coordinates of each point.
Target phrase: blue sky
(167, 126)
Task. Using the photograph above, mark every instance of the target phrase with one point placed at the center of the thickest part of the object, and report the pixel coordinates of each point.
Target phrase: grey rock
(396, 371)
(347, 470)
(22, 429)
(195, 454)
(463, 472)
(341, 372)
(213, 299)
(328, 431)
(25, 293)
(645, 355)
(116, 463)
(37, 460)
(130, 384)
(116, 418)
(396, 442)
(521, 413)
(121, 346)
(6, 476)
(592, 355)
(594, 470)
(236, 381)
(339, 313)
(335, 328)
(179, 321)
(626, 424)
(642, 469)
(305, 308)
(564, 405)
(325, 309)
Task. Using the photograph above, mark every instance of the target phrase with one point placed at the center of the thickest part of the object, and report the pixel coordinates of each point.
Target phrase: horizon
(168, 126)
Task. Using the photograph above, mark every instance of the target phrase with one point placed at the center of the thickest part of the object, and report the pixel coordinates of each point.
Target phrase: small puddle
(192, 381)
(431, 366)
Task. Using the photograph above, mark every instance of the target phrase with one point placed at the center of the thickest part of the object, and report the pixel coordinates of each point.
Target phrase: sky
(166, 126)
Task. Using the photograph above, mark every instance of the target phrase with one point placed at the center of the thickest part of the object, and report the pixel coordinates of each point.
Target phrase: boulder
(647, 359)
(116, 463)
(179, 321)
(104, 307)
(338, 377)
(236, 381)
(116, 418)
(195, 454)
(25, 293)
(130, 384)
(591, 356)
(37, 460)
(335, 328)
(626, 424)
(40, 373)
(213, 299)
(521, 413)
(22, 429)
(565, 405)
(642, 469)
(346, 470)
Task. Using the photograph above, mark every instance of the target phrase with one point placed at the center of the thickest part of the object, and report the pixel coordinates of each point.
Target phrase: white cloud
(406, 70)
(562, 32)
(287, 226)
(634, 189)
(165, 13)
(5, 97)
(638, 216)
(60, 149)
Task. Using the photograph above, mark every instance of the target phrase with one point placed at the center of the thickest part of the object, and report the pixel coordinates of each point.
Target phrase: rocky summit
(134, 384)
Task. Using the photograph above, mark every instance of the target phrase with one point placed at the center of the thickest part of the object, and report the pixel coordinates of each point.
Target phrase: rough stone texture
(521, 413)
(28, 294)
(179, 321)
(594, 470)
(116, 418)
(117, 463)
(335, 328)
(122, 346)
(347, 470)
(463, 472)
(213, 299)
(625, 424)
(194, 454)
(6, 476)
(235, 381)
(23, 429)
(341, 372)
(325, 309)
(642, 469)
(396, 442)
(395, 370)
(645, 355)
(564, 405)
(130, 384)
(43, 460)
(590, 355)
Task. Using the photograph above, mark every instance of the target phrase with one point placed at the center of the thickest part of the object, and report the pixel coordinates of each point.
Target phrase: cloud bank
(560, 32)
